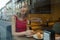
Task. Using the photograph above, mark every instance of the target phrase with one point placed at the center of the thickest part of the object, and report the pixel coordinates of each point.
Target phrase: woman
(19, 23)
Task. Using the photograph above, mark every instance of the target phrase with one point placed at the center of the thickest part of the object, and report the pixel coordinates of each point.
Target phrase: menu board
(40, 6)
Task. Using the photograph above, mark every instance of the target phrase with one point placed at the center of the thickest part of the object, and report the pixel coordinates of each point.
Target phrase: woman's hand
(29, 33)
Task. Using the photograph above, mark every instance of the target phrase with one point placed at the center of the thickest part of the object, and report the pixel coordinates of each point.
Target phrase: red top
(20, 25)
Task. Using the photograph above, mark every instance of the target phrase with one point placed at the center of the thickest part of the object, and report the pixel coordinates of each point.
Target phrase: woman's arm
(29, 27)
(14, 28)
(28, 24)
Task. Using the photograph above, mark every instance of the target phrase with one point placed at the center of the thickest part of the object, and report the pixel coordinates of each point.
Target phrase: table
(25, 38)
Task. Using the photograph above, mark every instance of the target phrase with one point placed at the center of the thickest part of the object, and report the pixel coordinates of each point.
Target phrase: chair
(9, 33)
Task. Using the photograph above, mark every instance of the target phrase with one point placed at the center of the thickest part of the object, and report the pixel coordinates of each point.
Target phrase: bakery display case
(35, 23)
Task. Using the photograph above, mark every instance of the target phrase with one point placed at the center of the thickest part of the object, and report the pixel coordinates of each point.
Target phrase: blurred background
(40, 12)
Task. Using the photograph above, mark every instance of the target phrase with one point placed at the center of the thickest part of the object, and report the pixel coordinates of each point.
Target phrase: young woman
(19, 23)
